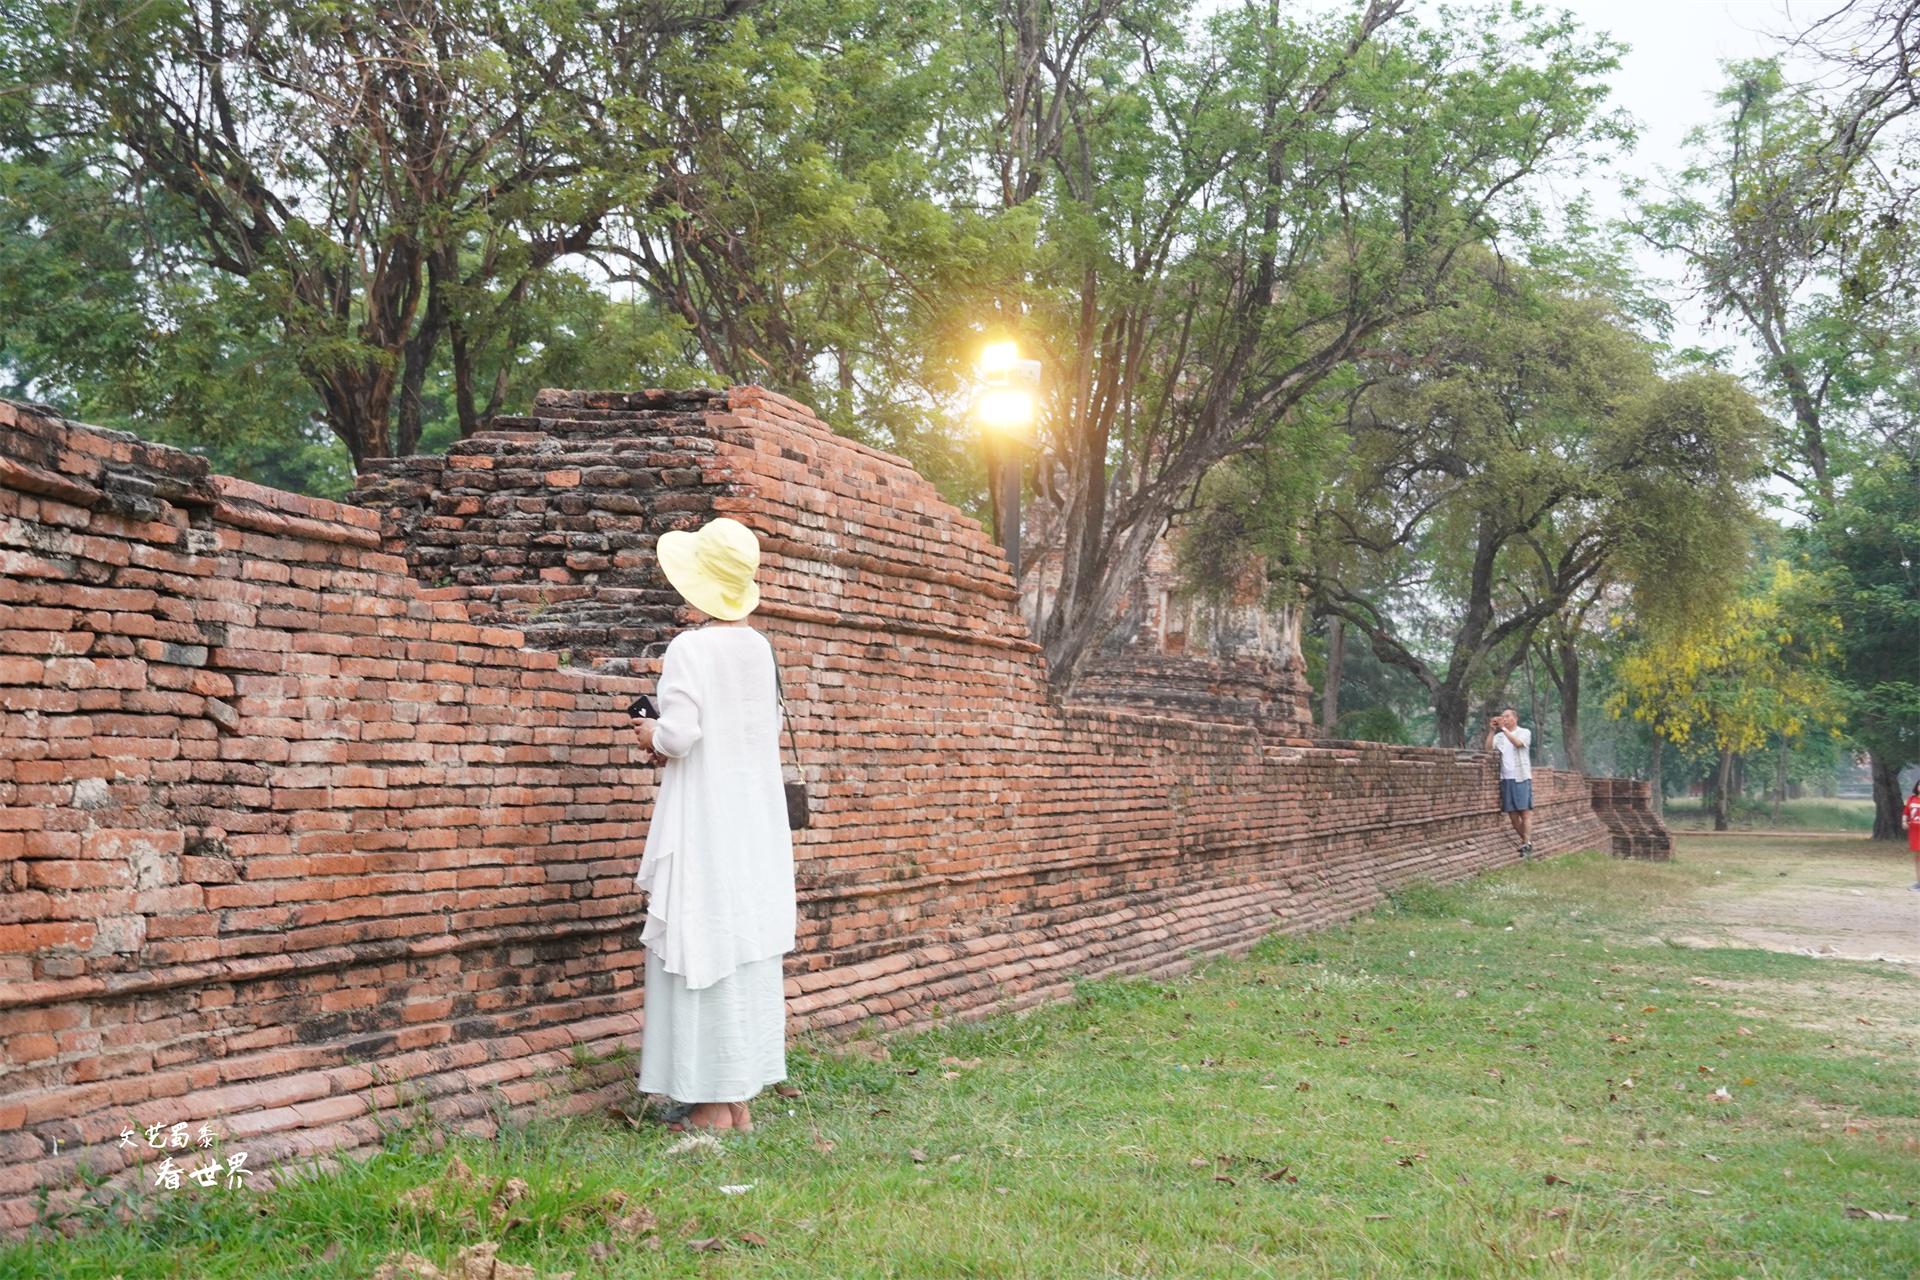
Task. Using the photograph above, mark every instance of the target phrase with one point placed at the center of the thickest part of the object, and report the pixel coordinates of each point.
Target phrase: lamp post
(1004, 406)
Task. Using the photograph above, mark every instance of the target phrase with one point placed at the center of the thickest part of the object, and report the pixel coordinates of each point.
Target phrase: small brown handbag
(799, 813)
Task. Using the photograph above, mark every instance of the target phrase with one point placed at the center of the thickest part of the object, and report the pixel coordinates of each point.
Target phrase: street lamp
(1005, 406)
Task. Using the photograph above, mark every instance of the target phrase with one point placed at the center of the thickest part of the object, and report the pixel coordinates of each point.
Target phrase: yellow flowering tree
(1753, 672)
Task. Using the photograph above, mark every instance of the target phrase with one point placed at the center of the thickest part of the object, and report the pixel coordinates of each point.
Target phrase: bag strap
(780, 695)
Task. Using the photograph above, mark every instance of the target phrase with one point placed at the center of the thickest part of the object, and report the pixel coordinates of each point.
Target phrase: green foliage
(1757, 671)
(1869, 551)
(1500, 458)
(346, 204)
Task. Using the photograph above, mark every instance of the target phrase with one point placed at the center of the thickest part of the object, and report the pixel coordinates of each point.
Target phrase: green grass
(1811, 813)
(1440, 1090)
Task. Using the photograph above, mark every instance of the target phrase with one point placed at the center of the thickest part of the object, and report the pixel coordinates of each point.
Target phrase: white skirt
(723, 1043)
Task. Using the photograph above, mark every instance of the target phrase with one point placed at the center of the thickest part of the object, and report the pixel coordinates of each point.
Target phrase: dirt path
(1809, 894)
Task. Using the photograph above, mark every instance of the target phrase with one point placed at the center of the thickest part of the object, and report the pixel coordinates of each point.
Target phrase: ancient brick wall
(1232, 657)
(291, 833)
(1626, 807)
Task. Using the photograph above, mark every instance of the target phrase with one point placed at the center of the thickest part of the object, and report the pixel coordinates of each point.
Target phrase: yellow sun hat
(713, 567)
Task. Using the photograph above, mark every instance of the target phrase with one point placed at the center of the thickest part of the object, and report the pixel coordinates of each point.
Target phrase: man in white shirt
(1505, 735)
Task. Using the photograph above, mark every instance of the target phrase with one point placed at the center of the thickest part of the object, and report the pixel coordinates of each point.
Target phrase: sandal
(672, 1113)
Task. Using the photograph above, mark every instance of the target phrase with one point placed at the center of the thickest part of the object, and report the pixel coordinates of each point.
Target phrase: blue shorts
(1515, 795)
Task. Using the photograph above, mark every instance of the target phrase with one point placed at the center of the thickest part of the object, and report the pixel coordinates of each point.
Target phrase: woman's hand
(644, 728)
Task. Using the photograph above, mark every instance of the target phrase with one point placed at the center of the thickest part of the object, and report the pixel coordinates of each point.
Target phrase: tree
(1870, 549)
(1506, 460)
(1729, 682)
(122, 328)
(1232, 217)
(1795, 240)
(387, 183)
(1870, 49)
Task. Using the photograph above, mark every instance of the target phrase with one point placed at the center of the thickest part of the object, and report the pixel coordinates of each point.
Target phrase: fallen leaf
(515, 1190)
(1379, 1217)
(917, 1155)
(753, 1238)
(1198, 1163)
(1282, 1174)
(965, 1064)
(1571, 1141)
(823, 1145)
(626, 1219)
(1221, 1177)
(1558, 1211)
(1741, 1031)
(1874, 1215)
(1555, 1180)
(786, 1091)
(707, 1244)
(1302, 1087)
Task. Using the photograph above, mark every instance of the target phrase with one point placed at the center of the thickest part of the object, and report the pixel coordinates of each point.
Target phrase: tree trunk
(1885, 769)
(1569, 687)
(356, 412)
(1078, 624)
(1779, 780)
(1330, 688)
(1722, 779)
(1450, 714)
(1656, 782)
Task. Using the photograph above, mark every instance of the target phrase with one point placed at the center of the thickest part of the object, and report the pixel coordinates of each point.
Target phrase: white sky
(1667, 81)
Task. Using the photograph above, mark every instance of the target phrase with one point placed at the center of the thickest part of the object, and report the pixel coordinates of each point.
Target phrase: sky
(1667, 82)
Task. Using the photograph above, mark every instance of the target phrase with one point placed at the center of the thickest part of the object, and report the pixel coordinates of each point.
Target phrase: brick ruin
(306, 819)
(1178, 652)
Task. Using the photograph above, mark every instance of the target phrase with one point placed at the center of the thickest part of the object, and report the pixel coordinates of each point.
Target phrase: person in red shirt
(1912, 816)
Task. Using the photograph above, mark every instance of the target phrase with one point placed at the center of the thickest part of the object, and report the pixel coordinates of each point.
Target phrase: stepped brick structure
(305, 819)
(1176, 651)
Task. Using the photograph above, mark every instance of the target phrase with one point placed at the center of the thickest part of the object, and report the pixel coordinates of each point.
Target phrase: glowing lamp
(1005, 409)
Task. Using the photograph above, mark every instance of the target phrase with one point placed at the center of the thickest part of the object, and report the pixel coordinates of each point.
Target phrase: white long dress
(718, 871)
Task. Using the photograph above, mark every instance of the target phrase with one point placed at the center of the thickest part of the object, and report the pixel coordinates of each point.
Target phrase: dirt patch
(1846, 899)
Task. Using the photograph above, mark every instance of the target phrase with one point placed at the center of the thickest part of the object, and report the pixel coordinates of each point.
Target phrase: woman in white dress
(718, 865)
